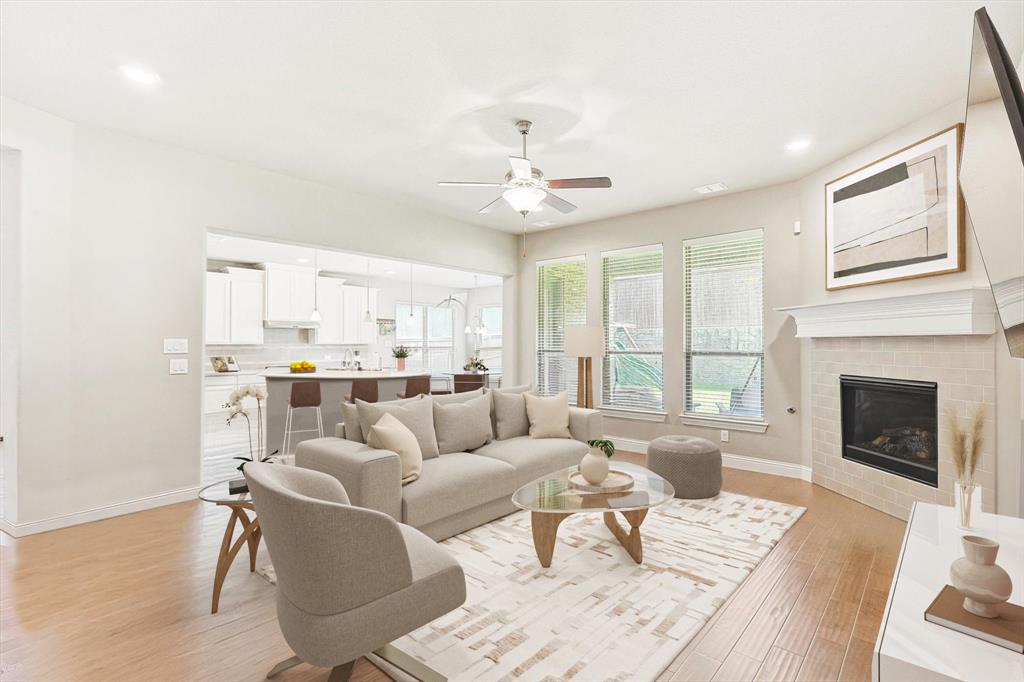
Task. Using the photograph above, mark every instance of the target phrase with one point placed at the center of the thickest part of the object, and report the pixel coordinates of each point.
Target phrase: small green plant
(475, 364)
(605, 446)
(401, 351)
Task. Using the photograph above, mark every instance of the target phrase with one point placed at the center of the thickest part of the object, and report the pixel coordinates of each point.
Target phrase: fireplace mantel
(947, 313)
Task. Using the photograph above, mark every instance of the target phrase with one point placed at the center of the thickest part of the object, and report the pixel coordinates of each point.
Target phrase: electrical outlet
(724, 435)
(177, 366)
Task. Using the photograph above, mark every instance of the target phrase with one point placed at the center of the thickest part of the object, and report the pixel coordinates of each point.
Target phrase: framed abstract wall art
(897, 218)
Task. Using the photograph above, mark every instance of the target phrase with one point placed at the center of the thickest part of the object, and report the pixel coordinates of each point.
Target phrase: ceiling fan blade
(491, 206)
(469, 184)
(579, 183)
(521, 167)
(558, 203)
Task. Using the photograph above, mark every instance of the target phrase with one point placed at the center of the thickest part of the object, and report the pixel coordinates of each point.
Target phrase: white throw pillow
(549, 415)
(390, 434)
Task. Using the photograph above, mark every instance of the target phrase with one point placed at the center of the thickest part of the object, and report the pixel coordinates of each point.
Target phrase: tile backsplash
(281, 346)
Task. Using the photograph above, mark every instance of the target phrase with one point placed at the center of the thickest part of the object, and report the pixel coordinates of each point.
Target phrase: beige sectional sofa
(455, 491)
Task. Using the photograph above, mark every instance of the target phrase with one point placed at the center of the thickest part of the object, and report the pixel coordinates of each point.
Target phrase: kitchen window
(561, 300)
(491, 340)
(723, 284)
(632, 294)
(429, 333)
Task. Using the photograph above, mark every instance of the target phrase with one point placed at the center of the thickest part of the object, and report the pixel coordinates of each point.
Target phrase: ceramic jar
(400, 363)
(594, 466)
(976, 575)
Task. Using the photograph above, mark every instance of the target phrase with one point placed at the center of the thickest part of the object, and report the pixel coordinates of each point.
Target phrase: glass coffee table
(550, 500)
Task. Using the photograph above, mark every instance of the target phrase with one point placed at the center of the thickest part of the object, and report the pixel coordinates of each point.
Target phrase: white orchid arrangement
(237, 409)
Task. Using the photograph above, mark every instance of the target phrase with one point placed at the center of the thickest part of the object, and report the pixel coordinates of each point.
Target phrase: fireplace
(892, 425)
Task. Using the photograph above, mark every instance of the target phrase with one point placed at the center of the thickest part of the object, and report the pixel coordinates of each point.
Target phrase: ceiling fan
(525, 187)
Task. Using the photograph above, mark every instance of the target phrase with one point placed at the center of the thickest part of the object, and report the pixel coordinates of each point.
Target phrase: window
(561, 300)
(631, 291)
(490, 341)
(723, 283)
(429, 334)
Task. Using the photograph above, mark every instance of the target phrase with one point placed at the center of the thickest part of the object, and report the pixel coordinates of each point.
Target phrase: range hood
(290, 324)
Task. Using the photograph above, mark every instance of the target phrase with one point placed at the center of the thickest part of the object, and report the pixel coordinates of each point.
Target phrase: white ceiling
(236, 249)
(389, 98)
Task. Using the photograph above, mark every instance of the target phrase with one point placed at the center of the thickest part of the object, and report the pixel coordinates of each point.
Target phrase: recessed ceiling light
(139, 75)
(302, 260)
(710, 189)
(798, 145)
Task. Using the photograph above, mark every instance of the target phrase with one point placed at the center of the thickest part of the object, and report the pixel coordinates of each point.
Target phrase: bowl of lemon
(302, 367)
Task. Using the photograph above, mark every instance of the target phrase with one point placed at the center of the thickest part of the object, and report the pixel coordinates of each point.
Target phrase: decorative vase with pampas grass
(966, 447)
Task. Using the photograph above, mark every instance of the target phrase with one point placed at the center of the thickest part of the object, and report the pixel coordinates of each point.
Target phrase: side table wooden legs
(250, 536)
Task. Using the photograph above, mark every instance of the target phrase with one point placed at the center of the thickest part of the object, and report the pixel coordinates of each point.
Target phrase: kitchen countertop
(343, 374)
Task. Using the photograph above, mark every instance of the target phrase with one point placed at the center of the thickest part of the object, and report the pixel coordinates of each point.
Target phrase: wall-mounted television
(992, 172)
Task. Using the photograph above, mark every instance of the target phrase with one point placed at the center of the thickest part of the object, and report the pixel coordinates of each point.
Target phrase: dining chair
(363, 389)
(415, 386)
(464, 383)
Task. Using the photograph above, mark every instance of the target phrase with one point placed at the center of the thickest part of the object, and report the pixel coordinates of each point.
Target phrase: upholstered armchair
(349, 580)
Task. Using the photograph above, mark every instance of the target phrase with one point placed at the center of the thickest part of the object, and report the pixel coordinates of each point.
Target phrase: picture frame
(898, 218)
(223, 363)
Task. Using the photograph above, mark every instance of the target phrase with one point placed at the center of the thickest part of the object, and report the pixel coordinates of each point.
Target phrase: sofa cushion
(510, 418)
(463, 426)
(350, 418)
(449, 398)
(525, 388)
(534, 458)
(454, 483)
(549, 415)
(417, 414)
(390, 434)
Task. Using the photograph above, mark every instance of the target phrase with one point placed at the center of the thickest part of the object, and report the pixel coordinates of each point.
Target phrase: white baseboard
(98, 513)
(764, 466)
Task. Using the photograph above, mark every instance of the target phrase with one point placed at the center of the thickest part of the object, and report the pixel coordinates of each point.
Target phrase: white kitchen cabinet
(217, 390)
(218, 308)
(330, 303)
(289, 293)
(246, 312)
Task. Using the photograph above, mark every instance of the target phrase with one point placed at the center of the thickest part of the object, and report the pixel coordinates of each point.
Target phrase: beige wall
(112, 261)
(772, 208)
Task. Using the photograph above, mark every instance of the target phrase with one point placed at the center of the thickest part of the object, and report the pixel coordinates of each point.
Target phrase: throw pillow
(417, 414)
(549, 415)
(390, 434)
(525, 388)
(350, 418)
(463, 426)
(510, 418)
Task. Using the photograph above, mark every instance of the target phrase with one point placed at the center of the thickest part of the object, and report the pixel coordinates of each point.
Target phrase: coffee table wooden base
(251, 534)
(545, 531)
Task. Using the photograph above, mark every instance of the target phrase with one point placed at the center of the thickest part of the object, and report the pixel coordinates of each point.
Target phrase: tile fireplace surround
(946, 337)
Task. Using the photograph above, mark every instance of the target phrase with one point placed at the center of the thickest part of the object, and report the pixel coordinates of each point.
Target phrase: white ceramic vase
(594, 466)
(983, 584)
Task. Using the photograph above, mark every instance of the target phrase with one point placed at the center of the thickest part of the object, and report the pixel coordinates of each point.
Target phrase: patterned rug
(595, 614)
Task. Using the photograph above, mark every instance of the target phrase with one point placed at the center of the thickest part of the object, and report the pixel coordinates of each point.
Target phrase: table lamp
(584, 342)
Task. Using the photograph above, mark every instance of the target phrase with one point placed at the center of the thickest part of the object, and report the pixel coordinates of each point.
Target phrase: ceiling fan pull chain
(524, 235)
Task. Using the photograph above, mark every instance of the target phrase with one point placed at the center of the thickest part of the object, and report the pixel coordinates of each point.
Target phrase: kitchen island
(335, 384)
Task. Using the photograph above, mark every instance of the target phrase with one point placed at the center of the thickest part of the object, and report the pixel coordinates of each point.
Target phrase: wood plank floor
(129, 599)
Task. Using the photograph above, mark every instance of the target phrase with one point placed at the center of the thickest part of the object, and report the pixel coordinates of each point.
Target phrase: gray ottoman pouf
(692, 465)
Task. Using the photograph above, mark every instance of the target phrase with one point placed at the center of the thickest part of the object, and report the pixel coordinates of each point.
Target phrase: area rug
(595, 614)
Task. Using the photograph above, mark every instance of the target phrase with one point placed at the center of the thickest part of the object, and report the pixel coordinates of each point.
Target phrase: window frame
(612, 407)
(424, 346)
(688, 416)
(542, 354)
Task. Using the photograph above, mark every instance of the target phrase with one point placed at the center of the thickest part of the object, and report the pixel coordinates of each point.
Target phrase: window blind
(561, 300)
(632, 294)
(723, 285)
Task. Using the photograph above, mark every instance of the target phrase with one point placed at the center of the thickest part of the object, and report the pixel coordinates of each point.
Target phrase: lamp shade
(584, 341)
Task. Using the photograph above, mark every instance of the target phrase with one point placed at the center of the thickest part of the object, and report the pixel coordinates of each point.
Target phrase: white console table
(908, 647)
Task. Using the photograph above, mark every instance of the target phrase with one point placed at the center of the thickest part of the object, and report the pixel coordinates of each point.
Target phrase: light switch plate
(175, 346)
(177, 366)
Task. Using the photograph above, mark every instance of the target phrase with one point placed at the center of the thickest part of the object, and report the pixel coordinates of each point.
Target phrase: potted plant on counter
(594, 465)
(400, 353)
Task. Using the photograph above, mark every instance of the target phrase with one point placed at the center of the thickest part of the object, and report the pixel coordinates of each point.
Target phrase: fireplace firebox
(892, 425)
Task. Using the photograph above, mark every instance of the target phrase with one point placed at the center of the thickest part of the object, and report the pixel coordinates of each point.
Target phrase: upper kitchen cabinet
(234, 307)
(330, 303)
(356, 301)
(289, 293)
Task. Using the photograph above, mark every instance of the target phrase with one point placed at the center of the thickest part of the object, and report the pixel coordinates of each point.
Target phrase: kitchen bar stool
(415, 386)
(304, 394)
(363, 389)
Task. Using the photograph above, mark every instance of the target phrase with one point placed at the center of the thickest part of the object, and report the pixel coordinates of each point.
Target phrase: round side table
(241, 506)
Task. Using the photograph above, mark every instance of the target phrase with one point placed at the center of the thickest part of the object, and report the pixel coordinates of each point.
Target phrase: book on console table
(1007, 631)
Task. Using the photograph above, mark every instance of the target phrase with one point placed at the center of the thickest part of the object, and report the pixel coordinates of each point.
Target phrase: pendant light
(411, 316)
(476, 326)
(368, 318)
(315, 315)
